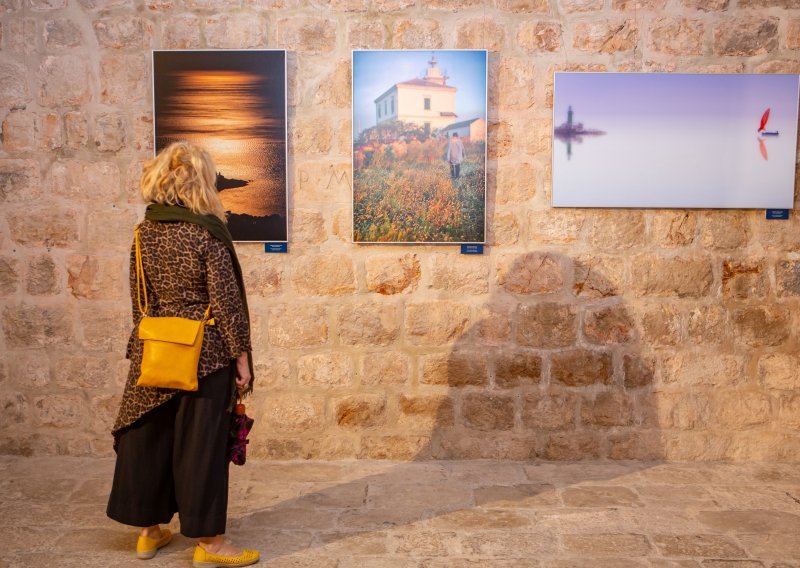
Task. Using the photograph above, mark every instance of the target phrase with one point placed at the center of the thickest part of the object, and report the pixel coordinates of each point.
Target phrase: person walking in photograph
(172, 445)
(454, 154)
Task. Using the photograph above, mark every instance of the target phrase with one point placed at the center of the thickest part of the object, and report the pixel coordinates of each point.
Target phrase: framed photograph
(419, 146)
(674, 140)
(233, 104)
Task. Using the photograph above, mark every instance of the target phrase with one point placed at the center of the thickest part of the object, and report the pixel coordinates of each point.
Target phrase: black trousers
(175, 459)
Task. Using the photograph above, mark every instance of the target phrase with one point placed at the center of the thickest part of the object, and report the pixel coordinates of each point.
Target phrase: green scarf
(215, 226)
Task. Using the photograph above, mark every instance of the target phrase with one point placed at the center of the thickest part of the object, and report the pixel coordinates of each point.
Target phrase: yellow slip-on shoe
(147, 547)
(204, 559)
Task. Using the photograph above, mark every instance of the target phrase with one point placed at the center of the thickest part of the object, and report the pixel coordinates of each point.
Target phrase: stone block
(14, 92)
(707, 5)
(505, 230)
(335, 88)
(571, 6)
(789, 413)
(581, 367)
(687, 369)
(392, 274)
(416, 34)
(598, 276)
(677, 36)
(746, 36)
(181, 32)
(84, 181)
(325, 182)
(51, 228)
(19, 131)
(340, 5)
(96, 277)
(104, 329)
(76, 129)
(603, 545)
(112, 229)
(638, 370)
(19, 180)
(760, 326)
(88, 372)
(779, 371)
(109, 132)
(571, 446)
(361, 411)
(791, 66)
(708, 325)
(661, 325)
(124, 78)
(28, 326)
(435, 322)
(33, 366)
(739, 409)
(459, 368)
(608, 409)
(516, 182)
(605, 36)
(62, 33)
(368, 324)
(291, 413)
(481, 34)
(464, 274)
(725, 230)
(307, 34)
(298, 326)
(546, 325)
(100, 5)
(673, 228)
(683, 277)
(384, 368)
(500, 139)
(263, 276)
(124, 32)
(324, 275)
(15, 409)
(550, 410)
(312, 135)
(793, 34)
(46, 5)
(423, 413)
(517, 368)
(488, 412)
(494, 324)
(698, 545)
(511, 83)
(49, 134)
(43, 278)
(9, 275)
(609, 325)
(391, 447)
(616, 230)
(64, 80)
(531, 273)
(366, 34)
(307, 227)
(325, 370)
(556, 226)
(523, 6)
(743, 279)
(539, 36)
(787, 278)
(60, 411)
(453, 5)
(235, 31)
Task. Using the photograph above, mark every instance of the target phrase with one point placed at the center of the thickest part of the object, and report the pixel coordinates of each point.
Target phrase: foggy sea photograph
(674, 140)
(232, 103)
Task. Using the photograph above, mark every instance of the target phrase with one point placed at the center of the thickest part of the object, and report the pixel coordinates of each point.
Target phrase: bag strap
(141, 285)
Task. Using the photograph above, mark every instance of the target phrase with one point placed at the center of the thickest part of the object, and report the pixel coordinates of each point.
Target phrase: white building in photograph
(429, 102)
(473, 129)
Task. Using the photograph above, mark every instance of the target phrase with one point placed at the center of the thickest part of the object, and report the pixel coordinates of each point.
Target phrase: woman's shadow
(552, 378)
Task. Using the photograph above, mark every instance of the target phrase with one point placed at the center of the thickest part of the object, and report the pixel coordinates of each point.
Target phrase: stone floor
(431, 515)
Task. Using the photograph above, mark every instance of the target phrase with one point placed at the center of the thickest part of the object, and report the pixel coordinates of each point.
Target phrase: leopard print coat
(185, 268)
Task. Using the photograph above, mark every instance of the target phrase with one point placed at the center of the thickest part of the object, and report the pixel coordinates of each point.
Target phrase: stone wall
(579, 334)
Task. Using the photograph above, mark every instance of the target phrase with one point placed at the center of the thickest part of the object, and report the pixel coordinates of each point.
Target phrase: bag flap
(173, 330)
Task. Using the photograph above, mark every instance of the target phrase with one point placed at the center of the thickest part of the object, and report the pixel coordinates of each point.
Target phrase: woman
(172, 445)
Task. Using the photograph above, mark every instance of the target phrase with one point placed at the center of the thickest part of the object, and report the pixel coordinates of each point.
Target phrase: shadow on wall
(552, 370)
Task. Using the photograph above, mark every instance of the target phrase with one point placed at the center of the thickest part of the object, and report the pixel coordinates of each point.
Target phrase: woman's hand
(242, 372)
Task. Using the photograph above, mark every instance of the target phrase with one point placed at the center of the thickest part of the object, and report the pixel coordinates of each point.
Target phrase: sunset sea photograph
(233, 104)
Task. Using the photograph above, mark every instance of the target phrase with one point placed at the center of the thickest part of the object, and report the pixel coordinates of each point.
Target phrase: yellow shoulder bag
(171, 344)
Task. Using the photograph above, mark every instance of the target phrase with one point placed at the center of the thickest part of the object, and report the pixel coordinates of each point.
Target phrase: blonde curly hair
(183, 174)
